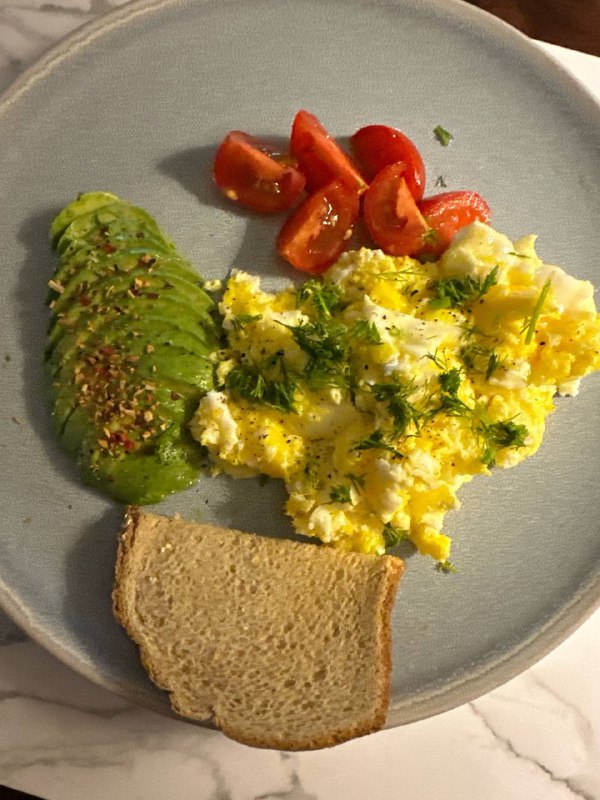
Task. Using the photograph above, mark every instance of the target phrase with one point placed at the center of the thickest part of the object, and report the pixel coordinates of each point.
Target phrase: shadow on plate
(34, 319)
(257, 252)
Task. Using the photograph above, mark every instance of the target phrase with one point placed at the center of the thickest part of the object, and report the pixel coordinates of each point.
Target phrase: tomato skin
(391, 213)
(376, 146)
(315, 235)
(246, 173)
(448, 212)
(319, 156)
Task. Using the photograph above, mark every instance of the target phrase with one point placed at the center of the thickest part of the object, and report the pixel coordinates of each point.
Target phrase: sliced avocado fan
(129, 349)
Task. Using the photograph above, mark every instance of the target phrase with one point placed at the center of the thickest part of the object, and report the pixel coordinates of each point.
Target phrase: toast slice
(281, 644)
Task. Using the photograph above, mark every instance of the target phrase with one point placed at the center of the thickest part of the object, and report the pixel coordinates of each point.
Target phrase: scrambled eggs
(378, 391)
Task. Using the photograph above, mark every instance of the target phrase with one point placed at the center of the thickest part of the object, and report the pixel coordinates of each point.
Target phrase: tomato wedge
(391, 213)
(247, 174)
(376, 146)
(447, 213)
(316, 233)
(319, 156)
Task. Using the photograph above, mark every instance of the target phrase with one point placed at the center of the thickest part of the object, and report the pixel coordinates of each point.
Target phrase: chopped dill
(240, 320)
(443, 136)
(326, 344)
(403, 412)
(340, 494)
(529, 325)
(445, 566)
(325, 297)
(252, 383)
(393, 535)
(376, 441)
(498, 436)
(450, 381)
(357, 481)
(453, 292)
(366, 332)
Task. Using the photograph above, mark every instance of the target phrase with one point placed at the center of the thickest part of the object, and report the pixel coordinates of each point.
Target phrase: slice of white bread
(281, 644)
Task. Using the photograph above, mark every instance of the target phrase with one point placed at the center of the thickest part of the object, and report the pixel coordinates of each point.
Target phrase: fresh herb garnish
(443, 136)
(431, 236)
(393, 535)
(403, 412)
(445, 566)
(453, 292)
(376, 441)
(492, 365)
(498, 436)
(531, 322)
(450, 381)
(247, 381)
(240, 320)
(325, 297)
(519, 255)
(366, 331)
(357, 481)
(326, 344)
(340, 494)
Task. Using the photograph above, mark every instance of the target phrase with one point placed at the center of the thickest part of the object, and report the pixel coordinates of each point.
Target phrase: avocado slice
(149, 331)
(83, 204)
(129, 273)
(120, 294)
(117, 219)
(129, 350)
(129, 310)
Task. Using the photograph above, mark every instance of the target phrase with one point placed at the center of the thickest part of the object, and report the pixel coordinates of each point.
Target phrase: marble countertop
(63, 738)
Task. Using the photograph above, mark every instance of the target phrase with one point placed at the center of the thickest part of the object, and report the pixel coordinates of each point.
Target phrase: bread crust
(125, 601)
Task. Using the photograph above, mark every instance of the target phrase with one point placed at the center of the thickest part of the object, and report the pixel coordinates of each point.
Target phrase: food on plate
(399, 220)
(378, 391)
(281, 644)
(447, 213)
(129, 349)
(377, 146)
(315, 235)
(320, 157)
(251, 173)
(391, 213)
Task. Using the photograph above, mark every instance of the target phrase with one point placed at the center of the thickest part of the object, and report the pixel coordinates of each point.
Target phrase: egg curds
(378, 391)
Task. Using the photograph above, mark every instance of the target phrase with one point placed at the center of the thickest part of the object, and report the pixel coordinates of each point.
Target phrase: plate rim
(566, 619)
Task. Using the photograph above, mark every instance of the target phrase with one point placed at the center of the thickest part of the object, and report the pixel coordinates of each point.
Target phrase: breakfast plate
(136, 104)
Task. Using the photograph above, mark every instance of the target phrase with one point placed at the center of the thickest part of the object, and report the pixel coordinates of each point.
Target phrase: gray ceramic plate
(135, 105)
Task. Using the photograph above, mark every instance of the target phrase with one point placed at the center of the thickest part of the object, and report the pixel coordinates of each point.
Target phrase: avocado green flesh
(117, 219)
(78, 324)
(150, 332)
(129, 351)
(116, 295)
(81, 205)
(94, 281)
(127, 254)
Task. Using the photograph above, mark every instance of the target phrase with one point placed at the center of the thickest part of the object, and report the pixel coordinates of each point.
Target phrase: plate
(135, 105)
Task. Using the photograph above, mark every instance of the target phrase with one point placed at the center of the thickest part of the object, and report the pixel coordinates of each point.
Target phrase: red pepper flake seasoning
(121, 408)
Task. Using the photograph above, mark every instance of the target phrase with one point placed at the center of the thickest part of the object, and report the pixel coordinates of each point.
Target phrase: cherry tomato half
(391, 213)
(316, 233)
(376, 146)
(319, 156)
(247, 174)
(447, 213)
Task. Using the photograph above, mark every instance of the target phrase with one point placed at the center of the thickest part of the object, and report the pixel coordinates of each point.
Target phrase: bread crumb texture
(281, 644)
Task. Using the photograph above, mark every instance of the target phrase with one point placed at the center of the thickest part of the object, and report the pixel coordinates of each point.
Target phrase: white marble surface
(62, 738)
